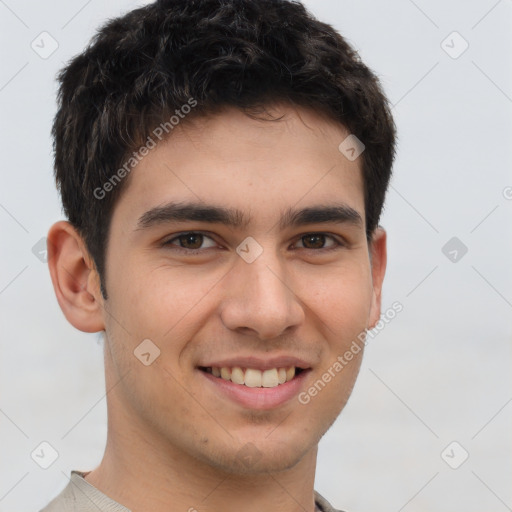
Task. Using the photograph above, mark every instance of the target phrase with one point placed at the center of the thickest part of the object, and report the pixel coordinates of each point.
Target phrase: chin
(254, 458)
(274, 462)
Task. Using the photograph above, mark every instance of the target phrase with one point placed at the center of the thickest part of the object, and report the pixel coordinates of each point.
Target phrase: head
(212, 212)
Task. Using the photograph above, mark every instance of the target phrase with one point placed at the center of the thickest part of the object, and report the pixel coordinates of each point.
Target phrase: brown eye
(318, 241)
(314, 241)
(191, 241)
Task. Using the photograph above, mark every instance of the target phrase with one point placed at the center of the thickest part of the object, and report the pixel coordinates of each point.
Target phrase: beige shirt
(80, 496)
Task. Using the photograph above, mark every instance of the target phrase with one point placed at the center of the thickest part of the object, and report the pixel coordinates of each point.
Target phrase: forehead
(259, 166)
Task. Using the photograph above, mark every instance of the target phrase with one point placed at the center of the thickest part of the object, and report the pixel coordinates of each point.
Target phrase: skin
(172, 438)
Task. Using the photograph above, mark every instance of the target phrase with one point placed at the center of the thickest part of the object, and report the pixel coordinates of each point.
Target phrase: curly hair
(139, 68)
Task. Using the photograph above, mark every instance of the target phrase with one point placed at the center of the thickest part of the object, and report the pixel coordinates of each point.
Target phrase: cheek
(154, 301)
(340, 301)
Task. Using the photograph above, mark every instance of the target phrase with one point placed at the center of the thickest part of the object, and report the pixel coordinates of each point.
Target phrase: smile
(253, 377)
(253, 388)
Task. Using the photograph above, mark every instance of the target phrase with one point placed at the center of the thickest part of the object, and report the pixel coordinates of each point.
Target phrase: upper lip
(258, 362)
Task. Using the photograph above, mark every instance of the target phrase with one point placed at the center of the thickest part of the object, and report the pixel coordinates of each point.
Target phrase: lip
(258, 363)
(256, 398)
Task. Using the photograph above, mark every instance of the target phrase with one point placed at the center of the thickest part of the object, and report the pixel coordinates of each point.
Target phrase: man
(223, 165)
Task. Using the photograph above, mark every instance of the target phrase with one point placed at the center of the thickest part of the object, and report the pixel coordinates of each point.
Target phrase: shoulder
(80, 496)
(64, 502)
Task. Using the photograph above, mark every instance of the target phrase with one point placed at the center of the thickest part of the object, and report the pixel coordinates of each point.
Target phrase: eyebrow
(232, 217)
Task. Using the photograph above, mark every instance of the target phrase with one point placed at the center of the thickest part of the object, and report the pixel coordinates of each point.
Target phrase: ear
(75, 279)
(378, 253)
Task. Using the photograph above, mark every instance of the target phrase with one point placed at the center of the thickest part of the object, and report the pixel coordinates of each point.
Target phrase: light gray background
(439, 372)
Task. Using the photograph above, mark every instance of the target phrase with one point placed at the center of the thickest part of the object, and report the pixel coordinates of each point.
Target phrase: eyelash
(166, 243)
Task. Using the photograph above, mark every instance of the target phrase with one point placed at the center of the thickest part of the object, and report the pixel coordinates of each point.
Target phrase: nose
(259, 299)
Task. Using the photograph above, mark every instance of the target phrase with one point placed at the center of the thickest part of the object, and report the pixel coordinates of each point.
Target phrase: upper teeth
(254, 378)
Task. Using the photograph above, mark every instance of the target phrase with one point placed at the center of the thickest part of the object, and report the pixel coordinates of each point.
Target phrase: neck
(141, 478)
(142, 471)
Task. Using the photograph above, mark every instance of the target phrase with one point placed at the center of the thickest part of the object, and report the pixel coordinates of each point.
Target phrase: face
(239, 250)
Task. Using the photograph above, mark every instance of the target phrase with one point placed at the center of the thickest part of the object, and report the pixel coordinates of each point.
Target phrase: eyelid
(167, 240)
(338, 240)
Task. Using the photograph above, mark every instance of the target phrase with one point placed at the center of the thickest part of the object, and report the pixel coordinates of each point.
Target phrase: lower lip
(257, 398)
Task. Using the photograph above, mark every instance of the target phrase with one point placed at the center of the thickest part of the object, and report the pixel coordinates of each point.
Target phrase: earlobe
(378, 267)
(75, 279)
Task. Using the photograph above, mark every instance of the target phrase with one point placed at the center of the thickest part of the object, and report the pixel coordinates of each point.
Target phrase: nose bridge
(259, 298)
